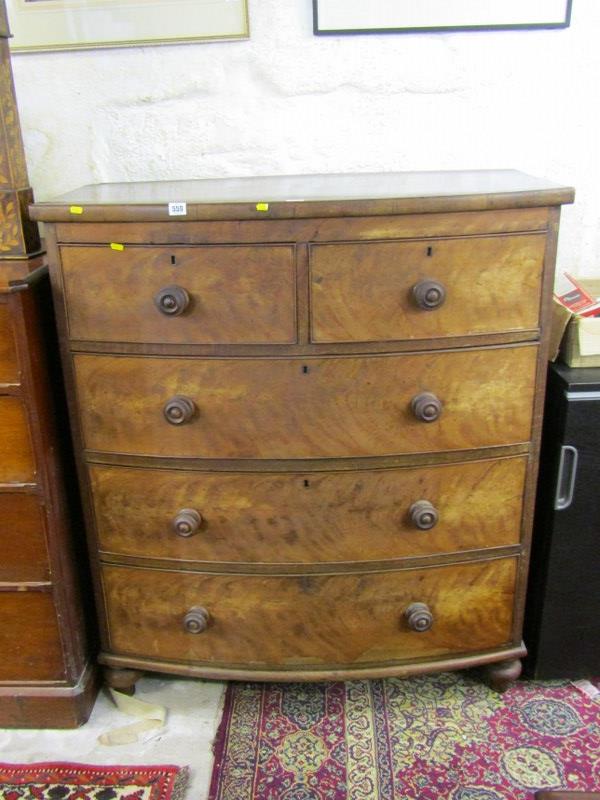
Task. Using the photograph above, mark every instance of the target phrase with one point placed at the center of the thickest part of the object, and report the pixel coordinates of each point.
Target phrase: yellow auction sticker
(117, 246)
(76, 209)
(262, 206)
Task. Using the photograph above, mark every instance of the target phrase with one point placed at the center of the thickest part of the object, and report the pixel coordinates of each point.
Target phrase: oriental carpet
(65, 781)
(432, 737)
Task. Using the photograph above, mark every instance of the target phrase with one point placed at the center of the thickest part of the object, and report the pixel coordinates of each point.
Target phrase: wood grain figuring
(237, 294)
(16, 456)
(22, 539)
(465, 223)
(363, 291)
(9, 368)
(307, 517)
(312, 408)
(285, 621)
(351, 501)
(29, 637)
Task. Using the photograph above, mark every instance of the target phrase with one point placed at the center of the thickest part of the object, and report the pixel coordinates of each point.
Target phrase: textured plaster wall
(285, 101)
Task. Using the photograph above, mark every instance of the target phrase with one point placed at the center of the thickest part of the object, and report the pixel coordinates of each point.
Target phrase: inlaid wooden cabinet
(307, 412)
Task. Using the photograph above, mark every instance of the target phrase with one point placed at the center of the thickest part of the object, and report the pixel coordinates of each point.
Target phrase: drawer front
(308, 517)
(29, 638)
(289, 622)
(312, 408)
(223, 294)
(16, 457)
(22, 539)
(371, 291)
(9, 369)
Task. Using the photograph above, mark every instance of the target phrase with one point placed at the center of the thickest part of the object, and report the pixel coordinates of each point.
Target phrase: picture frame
(42, 25)
(334, 17)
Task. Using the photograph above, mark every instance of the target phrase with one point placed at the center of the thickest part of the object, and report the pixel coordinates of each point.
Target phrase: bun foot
(503, 674)
(122, 680)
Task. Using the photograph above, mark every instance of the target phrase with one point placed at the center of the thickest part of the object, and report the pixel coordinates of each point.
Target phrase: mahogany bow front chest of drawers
(308, 413)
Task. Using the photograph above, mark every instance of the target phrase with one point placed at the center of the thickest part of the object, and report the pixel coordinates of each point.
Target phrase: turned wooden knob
(429, 294)
(179, 409)
(172, 300)
(196, 620)
(419, 617)
(423, 514)
(187, 522)
(426, 407)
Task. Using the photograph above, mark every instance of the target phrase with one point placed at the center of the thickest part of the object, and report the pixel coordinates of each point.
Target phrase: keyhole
(305, 369)
(430, 251)
(173, 260)
(306, 483)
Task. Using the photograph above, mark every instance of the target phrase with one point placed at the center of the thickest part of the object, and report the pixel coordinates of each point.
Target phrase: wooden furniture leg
(502, 674)
(122, 680)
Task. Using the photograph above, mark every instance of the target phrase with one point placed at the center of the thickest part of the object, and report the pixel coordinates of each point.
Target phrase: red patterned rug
(434, 737)
(62, 781)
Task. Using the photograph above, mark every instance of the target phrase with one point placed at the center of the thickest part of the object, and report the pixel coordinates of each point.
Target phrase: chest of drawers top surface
(315, 260)
(297, 196)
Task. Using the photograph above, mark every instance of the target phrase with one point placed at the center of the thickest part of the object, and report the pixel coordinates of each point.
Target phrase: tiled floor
(194, 711)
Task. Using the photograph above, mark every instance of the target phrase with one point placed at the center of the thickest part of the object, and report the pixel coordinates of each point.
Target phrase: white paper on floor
(151, 720)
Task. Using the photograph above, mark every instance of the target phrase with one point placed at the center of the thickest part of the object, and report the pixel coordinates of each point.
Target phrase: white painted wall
(285, 101)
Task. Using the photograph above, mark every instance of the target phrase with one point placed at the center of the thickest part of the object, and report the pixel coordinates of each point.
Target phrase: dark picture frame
(335, 17)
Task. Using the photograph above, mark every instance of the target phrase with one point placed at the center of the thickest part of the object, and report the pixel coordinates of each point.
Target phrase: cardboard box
(561, 317)
(576, 339)
(581, 342)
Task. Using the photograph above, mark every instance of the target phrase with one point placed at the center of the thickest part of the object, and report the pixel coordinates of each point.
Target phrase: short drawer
(310, 408)
(16, 456)
(9, 368)
(183, 295)
(302, 621)
(29, 637)
(357, 515)
(24, 555)
(427, 289)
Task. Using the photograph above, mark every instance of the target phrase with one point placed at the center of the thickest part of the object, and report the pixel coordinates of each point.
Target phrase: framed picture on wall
(421, 16)
(78, 24)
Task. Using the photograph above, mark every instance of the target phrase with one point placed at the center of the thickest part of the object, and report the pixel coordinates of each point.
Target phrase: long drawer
(9, 368)
(356, 515)
(16, 455)
(427, 289)
(203, 294)
(29, 637)
(306, 408)
(23, 547)
(289, 622)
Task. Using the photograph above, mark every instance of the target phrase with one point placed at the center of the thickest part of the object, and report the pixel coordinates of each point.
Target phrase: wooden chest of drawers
(47, 677)
(308, 414)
